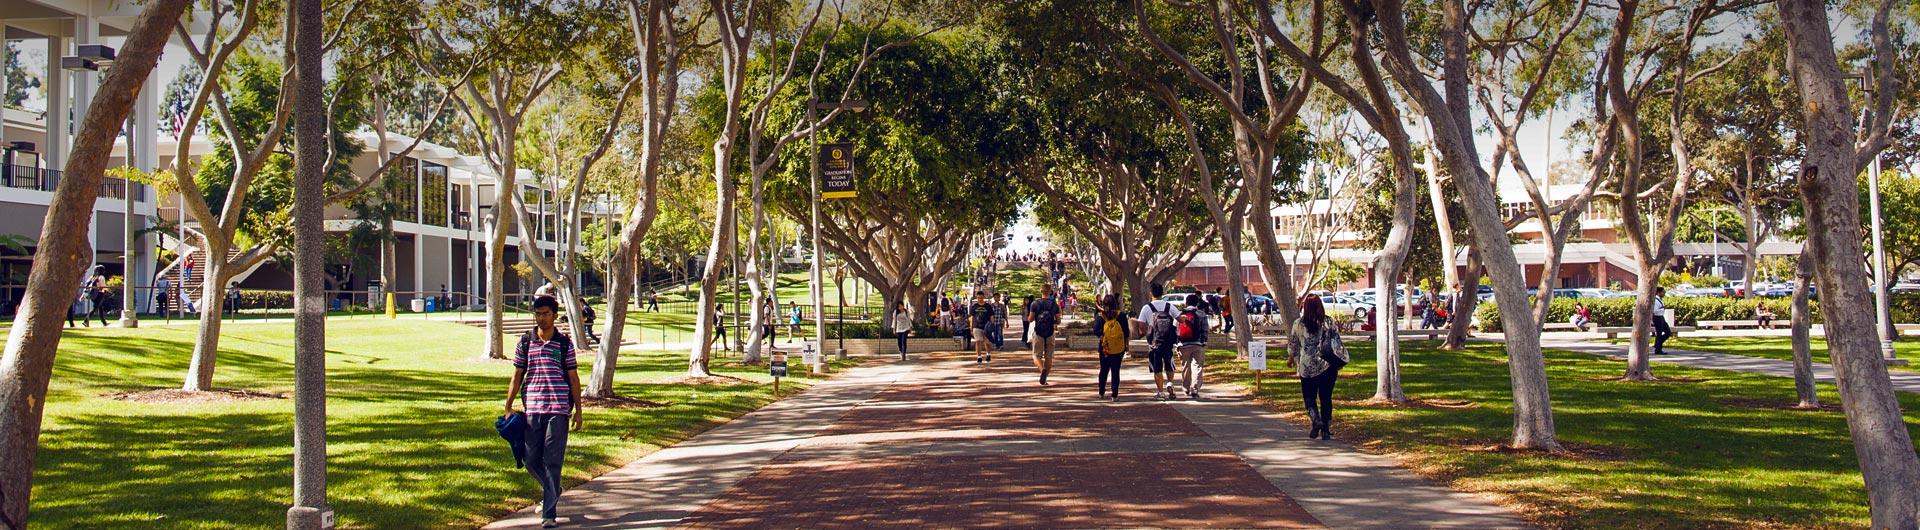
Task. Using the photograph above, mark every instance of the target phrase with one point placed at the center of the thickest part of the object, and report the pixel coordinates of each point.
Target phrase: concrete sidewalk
(1903, 381)
(940, 441)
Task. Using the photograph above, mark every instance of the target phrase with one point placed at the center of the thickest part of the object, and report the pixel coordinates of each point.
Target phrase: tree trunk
(600, 384)
(1830, 192)
(1278, 272)
(1803, 383)
(497, 273)
(1386, 333)
(309, 298)
(1639, 349)
(206, 345)
(35, 339)
(710, 277)
(1466, 301)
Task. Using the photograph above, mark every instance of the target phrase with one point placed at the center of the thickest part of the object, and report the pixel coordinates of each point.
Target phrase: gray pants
(1192, 362)
(546, 447)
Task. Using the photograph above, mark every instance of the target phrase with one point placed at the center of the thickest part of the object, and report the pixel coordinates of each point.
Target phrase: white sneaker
(1162, 396)
(549, 523)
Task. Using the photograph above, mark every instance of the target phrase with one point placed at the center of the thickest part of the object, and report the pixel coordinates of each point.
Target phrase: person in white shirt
(1157, 321)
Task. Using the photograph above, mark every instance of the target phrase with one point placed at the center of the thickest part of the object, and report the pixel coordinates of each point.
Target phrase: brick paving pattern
(942, 442)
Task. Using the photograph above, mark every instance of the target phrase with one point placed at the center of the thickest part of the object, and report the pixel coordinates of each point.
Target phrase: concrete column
(53, 154)
(3, 70)
(146, 158)
(86, 30)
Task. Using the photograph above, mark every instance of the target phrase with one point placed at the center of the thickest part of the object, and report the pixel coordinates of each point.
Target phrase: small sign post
(812, 357)
(1257, 361)
(777, 367)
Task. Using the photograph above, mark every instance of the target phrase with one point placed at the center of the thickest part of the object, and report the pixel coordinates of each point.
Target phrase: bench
(1906, 329)
(1614, 332)
(1559, 326)
(1746, 323)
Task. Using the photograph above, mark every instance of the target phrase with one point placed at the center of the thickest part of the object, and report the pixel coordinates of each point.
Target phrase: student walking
(998, 328)
(1026, 324)
(902, 324)
(546, 377)
(97, 295)
(1114, 331)
(1158, 319)
(1043, 314)
(1192, 352)
(162, 288)
(1662, 330)
(720, 329)
(793, 321)
(981, 314)
(1316, 355)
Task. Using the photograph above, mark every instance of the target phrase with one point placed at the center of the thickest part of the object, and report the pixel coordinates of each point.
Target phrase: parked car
(1350, 305)
(1178, 300)
(1485, 293)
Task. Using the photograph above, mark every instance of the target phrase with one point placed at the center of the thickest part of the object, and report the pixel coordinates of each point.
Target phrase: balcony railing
(43, 179)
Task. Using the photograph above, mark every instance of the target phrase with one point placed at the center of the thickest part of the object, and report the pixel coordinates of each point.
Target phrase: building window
(403, 188)
(433, 194)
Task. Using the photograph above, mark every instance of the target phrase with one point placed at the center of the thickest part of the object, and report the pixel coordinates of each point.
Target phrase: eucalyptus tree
(663, 34)
(1653, 72)
(1448, 109)
(1838, 148)
(27, 364)
(248, 174)
(1260, 110)
(1526, 67)
(517, 50)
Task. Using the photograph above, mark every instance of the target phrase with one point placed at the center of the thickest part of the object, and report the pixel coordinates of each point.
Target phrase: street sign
(810, 354)
(836, 171)
(777, 367)
(1257, 355)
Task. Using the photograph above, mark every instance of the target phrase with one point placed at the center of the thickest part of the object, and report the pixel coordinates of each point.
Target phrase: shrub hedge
(1687, 310)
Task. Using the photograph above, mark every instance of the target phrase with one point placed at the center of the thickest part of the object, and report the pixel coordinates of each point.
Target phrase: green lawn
(411, 442)
(1707, 449)
(1776, 347)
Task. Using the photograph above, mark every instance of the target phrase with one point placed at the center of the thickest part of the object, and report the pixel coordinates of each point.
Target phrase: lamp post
(1883, 320)
(813, 137)
(100, 57)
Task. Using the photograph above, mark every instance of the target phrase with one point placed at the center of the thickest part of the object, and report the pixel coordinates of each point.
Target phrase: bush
(878, 330)
(1906, 308)
(1618, 312)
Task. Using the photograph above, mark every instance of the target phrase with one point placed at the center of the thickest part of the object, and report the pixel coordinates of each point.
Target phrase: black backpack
(1043, 317)
(1163, 332)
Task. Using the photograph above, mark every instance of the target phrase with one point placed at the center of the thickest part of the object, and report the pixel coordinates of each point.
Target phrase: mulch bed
(174, 395)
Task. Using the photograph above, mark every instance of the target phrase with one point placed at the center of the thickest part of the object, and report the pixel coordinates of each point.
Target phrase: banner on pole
(1256, 355)
(836, 171)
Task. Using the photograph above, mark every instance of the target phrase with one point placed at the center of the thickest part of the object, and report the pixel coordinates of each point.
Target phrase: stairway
(190, 286)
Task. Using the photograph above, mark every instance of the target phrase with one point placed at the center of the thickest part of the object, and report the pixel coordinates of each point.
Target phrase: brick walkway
(943, 442)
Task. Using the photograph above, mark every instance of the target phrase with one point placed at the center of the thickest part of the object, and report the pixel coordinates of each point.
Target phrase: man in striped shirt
(546, 376)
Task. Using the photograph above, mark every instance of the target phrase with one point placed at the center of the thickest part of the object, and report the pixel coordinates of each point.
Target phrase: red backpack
(1187, 331)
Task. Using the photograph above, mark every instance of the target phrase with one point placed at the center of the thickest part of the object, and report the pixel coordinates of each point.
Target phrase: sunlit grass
(1707, 449)
(410, 428)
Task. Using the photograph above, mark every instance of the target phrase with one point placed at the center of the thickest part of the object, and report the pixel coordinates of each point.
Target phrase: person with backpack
(1043, 314)
(1113, 331)
(980, 314)
(1159, 320)
(1213, 302)
(546, 378)
(1192, 352)
(1315, 353)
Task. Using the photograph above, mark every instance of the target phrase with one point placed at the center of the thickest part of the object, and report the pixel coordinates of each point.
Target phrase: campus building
(440, 243)
(1596, 256)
